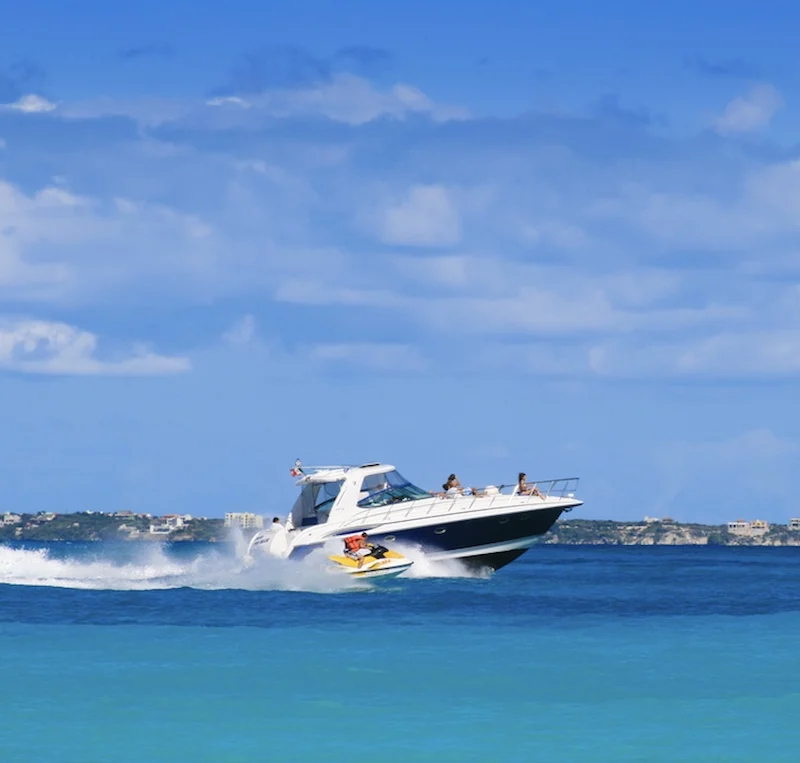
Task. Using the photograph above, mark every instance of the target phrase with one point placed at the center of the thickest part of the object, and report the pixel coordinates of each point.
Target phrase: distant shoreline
(97, 527)
(666, 532)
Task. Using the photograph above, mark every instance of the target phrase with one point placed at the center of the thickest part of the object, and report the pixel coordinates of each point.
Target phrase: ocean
(135, 653)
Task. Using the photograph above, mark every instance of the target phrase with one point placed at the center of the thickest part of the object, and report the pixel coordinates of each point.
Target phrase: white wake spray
(425, 568)
(148, 567)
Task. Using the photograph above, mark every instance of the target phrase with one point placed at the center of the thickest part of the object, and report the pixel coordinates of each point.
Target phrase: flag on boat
(296, 470)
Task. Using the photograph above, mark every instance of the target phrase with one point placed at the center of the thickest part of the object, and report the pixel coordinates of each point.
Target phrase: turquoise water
(119, 653)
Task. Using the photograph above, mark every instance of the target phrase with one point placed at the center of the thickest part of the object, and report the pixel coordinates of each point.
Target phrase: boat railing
(563, 487)
(456, 503)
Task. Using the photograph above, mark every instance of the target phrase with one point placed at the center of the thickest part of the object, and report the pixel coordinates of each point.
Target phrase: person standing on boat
(267, 535)
(272, 529)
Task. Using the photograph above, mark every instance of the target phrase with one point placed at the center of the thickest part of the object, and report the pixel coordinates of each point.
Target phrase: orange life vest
(353, 542)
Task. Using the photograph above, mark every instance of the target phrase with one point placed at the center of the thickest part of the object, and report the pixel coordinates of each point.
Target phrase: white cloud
(751, 112)
(45, 347)
(229, 100)
(452, 272)
(535, 358)
(645, 355)
(58, 245)
(147, 111)
(486, 295)
(21, 220)
(397, 358)
(553, 310)
(242, 332)
(314, 292)
(773, 194)
(525, 310)
(754, 354)
(760, 205)
(426, 217)
(552, 234)
(31, 104)
(345, 98)
(483, 296)
(760, 442)
(746, 469)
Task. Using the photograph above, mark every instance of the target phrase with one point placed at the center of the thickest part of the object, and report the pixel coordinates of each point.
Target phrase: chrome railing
(455, 503)
(563, 487)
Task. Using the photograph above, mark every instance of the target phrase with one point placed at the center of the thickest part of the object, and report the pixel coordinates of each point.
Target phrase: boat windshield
(325, 494)
(389, 487)
(314, 503)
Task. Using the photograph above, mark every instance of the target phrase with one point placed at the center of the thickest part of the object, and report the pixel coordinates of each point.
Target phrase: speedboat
(490, 527)
(380, 562)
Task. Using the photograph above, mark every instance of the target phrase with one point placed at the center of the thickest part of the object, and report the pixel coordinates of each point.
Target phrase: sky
(557, 237)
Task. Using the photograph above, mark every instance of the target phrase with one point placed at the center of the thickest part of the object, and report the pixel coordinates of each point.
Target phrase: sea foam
(148, 566)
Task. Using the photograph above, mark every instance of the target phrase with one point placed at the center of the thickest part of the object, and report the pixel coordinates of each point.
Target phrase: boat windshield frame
(330, 491)
(315, 502)
(395, 489)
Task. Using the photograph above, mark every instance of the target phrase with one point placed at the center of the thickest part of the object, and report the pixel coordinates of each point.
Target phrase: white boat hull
(489, 537)
(482, 527)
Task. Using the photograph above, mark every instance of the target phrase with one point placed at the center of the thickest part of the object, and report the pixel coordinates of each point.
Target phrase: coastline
(600, 532)
(96, 527)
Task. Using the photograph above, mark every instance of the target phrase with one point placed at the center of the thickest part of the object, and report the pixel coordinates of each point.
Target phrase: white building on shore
(794, 524)
(168, 523)
(245, 520)
(752, 529)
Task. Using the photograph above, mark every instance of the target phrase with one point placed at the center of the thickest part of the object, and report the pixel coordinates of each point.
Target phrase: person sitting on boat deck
(357, 547)
(453, 486)
(523, 489)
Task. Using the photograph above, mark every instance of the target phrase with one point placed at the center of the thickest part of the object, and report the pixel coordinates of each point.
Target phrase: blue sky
(545, 237)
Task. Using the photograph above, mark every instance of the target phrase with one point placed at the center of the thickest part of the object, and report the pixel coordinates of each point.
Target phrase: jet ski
(379, 563)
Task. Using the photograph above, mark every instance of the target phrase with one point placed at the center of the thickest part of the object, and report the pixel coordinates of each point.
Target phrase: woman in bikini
(523, 489)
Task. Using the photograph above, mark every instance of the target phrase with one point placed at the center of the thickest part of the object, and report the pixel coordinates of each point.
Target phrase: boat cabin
(338, 490)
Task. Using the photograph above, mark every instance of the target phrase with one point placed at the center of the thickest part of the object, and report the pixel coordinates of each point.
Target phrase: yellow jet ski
(379, 563)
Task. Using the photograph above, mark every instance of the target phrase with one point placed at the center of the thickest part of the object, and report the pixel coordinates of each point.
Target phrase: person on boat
(273, 528)
(265, 537)
(523, 489)
(357, 547)
(453, 485)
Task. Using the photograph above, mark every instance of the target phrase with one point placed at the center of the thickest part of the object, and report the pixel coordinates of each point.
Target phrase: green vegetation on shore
(568, 531)
(95, 526)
